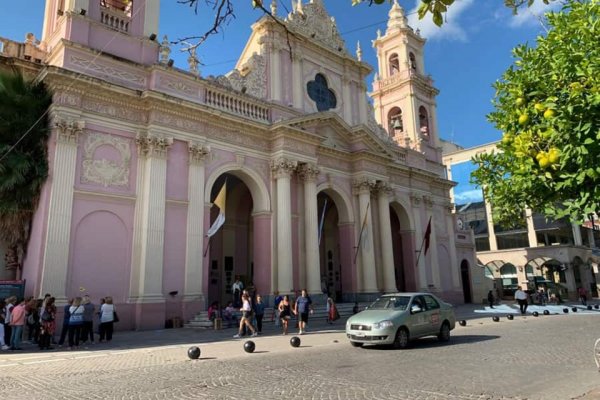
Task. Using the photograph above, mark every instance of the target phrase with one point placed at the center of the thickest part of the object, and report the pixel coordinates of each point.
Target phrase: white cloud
(469, 196)
(532, 15)
(450, 30)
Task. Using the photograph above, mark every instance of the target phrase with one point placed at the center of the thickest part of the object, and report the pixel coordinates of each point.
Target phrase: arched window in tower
(423, 122)
(394, 63)
(412, 62)
(395, 123)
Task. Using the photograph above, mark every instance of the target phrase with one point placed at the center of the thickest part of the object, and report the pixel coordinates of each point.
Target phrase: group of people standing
(39, 316)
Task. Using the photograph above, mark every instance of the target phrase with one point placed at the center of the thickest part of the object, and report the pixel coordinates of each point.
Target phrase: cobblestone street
(528, 358)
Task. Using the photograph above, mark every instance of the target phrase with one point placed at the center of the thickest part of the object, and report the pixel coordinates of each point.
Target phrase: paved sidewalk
(182, 337)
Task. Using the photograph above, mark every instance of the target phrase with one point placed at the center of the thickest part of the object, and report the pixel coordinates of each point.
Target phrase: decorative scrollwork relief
(153, 146)
(283, 167)
(363, 185)
(197, 153)
(102, 171)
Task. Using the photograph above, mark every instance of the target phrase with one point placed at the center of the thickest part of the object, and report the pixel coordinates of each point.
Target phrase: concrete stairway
(201, 321)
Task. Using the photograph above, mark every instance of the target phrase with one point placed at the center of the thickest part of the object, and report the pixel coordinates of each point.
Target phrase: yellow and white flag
(219, 202)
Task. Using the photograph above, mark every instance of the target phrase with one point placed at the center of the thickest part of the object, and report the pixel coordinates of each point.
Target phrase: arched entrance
(403, 248)
(466, 281)
(336, 245)
(234, 249)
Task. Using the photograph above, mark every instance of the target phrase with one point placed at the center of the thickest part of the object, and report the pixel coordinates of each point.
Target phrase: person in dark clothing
(490, 298)
(65, 324)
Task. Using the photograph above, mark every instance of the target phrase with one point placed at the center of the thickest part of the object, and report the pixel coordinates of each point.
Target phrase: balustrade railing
(115, 18)
(236, 105)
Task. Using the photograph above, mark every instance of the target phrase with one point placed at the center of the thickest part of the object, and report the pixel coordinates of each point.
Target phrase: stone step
(201, 321)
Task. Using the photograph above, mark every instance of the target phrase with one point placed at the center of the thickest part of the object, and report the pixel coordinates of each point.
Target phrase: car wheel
(356, 344)
(402, 339)
(444, 334)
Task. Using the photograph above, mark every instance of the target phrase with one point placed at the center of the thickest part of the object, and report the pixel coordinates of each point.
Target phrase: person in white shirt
(521, 297)
(236, 291)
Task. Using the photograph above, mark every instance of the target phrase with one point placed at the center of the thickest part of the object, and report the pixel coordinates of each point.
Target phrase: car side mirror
(415, 309)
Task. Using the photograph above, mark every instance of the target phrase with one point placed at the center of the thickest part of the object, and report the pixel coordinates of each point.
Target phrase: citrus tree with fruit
(548, 106)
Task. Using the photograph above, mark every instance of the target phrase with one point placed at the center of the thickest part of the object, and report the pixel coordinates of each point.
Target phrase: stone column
(490, 223)
(193, 284)
(362, 103)
(308, 173)
(387, 250)
(368, 274)
(282, 170)
(149, 227)
(298, 77)
(451, 230)
(577, 239)
(422, 283)
(58, 237)
(275, 71)
(347, 99)
(530, 228)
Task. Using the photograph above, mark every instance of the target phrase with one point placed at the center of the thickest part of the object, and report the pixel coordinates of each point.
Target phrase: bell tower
(403, 95)
(124, 28)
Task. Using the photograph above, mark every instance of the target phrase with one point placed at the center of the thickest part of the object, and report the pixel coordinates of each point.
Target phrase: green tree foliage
(548, 106)
(24, 163)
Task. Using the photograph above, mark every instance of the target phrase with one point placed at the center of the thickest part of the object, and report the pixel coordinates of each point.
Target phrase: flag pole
(425, 237)
(361, 231)
(207, 246)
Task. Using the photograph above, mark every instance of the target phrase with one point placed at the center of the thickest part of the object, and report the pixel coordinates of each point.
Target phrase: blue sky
(464, 57)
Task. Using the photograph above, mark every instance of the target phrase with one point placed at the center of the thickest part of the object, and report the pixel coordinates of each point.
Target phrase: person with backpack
(48, 324)
(75, 322)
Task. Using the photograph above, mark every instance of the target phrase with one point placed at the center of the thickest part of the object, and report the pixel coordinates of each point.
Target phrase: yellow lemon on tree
(539, 107)
(523, 119)
(520, 101)
(544, 162)
(553, 155)
(549, 113)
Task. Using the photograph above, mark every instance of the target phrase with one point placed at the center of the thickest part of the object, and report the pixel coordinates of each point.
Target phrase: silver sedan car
(397, 318)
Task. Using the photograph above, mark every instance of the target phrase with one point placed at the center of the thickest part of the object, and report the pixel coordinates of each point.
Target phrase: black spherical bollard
(510, 317)
(194, 353)
(546, 312)
(462, 322)
(535, 314)
(574, 309)
(495, 319)
(295, 341)
(596, 306)
(589, 308)
(566, 310)
(249, 346)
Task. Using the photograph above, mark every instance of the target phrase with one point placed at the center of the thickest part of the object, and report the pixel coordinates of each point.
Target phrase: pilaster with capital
(282, 169)
(195, 223)
(387, 251)
(298, 78)
(308, 173)
(362, 187)
(416, 202)
(149, 219)
(362, 102)
(58, 237)
(346, 98)
(275, 70)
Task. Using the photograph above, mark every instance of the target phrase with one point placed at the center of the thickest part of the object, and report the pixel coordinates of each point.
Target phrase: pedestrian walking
(332, 311)
(521, 298)
(259, 312)
(276, 301)
(107, 319)
(302, 308)
(246, 316)
(582, 295)
(490, 298)
(87, 329)
(285, 313)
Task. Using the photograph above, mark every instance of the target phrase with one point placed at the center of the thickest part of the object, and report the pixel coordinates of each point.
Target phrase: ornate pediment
(251, 78)
(313, 21)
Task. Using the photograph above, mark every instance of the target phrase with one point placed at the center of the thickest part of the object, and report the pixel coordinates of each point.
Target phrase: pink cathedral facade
(140, 149)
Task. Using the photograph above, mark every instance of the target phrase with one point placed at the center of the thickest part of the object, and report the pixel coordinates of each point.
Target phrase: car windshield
(394, 302)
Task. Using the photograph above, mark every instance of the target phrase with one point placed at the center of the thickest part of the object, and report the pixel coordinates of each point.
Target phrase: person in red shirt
(17, 321)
